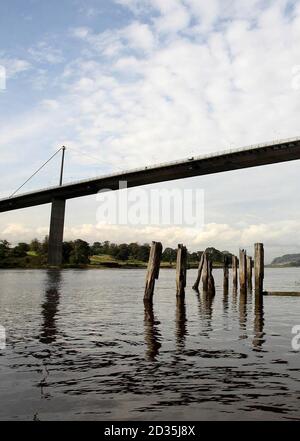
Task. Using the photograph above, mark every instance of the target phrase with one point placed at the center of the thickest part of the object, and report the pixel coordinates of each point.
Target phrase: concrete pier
(56, 232)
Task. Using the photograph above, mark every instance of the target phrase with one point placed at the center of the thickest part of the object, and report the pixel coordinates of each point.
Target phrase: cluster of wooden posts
(241, 271)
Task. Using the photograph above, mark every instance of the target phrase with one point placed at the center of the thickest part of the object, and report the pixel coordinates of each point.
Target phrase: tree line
(79, 252)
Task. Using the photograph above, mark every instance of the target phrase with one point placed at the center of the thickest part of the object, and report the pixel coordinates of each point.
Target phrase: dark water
(81, 346)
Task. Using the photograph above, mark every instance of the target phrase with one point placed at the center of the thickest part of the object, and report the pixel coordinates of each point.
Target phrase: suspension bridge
(234, 159)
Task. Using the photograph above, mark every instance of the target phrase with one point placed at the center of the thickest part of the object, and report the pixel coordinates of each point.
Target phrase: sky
(128, 83)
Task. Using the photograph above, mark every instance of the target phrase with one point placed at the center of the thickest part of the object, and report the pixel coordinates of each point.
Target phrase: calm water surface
(80, 345)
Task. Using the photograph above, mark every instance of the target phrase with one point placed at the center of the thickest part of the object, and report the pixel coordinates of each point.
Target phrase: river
(81, 346)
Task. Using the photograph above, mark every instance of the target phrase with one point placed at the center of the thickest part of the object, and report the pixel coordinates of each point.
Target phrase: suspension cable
(35, 173)
(83, 153)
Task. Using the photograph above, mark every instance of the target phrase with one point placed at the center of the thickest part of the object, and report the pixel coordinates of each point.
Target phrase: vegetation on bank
(79, 253)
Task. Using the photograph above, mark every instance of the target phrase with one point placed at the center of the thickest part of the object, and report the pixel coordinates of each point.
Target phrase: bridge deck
(253, 156)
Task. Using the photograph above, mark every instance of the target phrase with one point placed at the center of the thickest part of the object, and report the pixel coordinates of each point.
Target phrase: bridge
(234, 159)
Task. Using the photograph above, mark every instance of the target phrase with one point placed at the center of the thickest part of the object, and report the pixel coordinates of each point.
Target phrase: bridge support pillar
(56, 232)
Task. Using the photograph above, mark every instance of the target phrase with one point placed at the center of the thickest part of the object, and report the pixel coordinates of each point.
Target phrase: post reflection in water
(259, 321)
(234, 297)
(50, 306)
(243, 314)
(205, 301)
(181, 328)
(152, 334)
(225, 298)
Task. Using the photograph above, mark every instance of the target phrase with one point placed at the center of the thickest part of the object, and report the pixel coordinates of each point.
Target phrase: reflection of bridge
(261, 154)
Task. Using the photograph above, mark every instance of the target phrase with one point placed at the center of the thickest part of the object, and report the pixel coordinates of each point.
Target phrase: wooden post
(242, 271)
(225, 272)
(200, 268)
(153, 269)
(234, 272)
(205, 273)
(181, 266)
(210, 277)
(259, 268)
(249, 272)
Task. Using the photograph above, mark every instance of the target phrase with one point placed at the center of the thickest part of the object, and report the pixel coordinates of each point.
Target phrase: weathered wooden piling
(234, 272)
(181, 267)
(225, 273)
(153, 269)
(249, 272)
(205, 273)
(259, 267)
(200, 268)
(211, 280)
(207, 277)
(242, 271)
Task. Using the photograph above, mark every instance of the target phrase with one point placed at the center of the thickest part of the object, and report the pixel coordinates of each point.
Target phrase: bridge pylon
(56, 232)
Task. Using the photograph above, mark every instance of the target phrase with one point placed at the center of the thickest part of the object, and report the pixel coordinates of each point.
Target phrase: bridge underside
(198, 166)
(264, 154)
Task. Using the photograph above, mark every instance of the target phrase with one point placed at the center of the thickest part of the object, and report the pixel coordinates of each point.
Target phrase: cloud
(275, 236)
(175, 79)
(44, 53)
(14, 66)
(13, 231)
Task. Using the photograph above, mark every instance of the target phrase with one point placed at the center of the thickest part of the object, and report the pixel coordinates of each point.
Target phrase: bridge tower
(57, 223)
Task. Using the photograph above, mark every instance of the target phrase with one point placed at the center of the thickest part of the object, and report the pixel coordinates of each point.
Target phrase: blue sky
(126, 83)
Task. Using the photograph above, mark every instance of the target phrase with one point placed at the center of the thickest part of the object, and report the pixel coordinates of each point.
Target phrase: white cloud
(276, 236)
(14, 66)
(183, 77)
(13, 231)
(44, 53)
(139, 35)
(174, 16)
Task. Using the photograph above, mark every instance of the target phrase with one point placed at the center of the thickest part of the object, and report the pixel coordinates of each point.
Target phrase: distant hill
(287, 260)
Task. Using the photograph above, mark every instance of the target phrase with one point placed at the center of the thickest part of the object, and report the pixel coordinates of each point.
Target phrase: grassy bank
(34, 261)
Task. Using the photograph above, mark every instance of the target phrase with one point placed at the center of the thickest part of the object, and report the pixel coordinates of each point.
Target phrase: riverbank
(32, 261)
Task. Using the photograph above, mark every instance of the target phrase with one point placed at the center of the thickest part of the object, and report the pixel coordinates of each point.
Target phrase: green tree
(4, 249)
(67, 249)
(45, 246)
(123, 252)
(144, 252)
(20, 250)
(194, 257)
(80, 253)
(97, 249)
(106, 247)
(133, 250)
(36, 246)
(169, 255)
